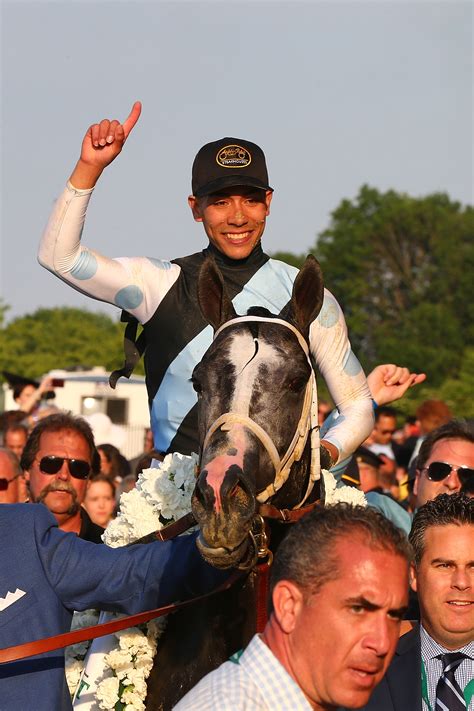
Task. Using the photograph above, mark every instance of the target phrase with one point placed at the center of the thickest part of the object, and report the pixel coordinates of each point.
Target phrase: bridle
(307, 425)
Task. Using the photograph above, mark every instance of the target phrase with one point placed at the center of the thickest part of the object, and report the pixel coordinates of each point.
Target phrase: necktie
(449, 696)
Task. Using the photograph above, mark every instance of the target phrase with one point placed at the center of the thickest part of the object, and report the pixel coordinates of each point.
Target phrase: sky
(338, 94)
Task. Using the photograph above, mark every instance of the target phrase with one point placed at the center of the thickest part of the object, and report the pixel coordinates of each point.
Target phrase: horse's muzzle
(240, 557)
(224, 512)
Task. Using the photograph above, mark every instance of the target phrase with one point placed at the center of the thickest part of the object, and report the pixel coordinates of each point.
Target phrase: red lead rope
(48, 644)
(263, 577)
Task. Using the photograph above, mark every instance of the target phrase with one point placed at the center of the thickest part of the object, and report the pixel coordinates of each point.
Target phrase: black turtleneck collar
(256, 258)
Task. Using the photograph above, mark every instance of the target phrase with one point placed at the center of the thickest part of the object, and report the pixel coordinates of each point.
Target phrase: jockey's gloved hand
(325, 458)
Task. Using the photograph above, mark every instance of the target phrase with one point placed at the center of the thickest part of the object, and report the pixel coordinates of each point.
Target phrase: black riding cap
(228, 162)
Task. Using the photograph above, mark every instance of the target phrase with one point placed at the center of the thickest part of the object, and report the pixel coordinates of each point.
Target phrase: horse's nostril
(231, 481)
(202, 491)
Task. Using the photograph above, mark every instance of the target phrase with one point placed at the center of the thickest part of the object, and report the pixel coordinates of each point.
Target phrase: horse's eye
(297, 384)
(196, 385)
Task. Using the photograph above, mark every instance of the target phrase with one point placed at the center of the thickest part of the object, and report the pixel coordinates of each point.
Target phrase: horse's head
(255, 396)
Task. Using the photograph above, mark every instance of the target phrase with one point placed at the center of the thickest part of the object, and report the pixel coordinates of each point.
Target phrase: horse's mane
(260, 311)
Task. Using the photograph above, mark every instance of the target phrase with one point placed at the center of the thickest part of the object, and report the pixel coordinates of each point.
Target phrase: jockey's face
(234, 219)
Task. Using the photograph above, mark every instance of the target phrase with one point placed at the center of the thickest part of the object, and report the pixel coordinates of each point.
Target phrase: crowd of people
(343, 630)
(95, 497)
(339, 592)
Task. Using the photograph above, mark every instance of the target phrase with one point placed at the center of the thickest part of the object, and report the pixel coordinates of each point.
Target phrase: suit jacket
(49, 573)
(400, 689)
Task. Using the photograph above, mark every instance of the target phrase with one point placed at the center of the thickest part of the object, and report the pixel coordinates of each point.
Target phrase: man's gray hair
(306, 556)
(447, 509)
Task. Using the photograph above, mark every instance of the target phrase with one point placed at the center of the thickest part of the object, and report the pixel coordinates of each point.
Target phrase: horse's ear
(307, 297)
(214, 301)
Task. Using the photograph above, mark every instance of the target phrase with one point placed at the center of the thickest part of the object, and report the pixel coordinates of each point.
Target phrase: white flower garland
(336, 493)
(162, 492)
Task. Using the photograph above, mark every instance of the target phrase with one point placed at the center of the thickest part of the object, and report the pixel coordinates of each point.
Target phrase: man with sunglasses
(57, 459)
(10, 475)
(445, 461)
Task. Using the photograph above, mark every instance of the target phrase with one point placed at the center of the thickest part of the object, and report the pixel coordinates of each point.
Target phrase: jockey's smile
(233, 219)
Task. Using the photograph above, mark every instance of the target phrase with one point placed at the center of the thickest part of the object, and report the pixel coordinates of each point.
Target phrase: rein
(307, 425)
(49, 644)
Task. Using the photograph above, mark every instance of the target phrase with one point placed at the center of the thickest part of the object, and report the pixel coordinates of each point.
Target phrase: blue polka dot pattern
(160, 263)
(329, 314)
(352, 365)
(129, 297)
(86, 266)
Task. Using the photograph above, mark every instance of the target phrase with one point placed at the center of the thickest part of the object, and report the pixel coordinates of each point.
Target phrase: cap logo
(233, 157)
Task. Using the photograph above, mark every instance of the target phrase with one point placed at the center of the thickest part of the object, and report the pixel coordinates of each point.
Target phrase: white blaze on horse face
(247, 354)
(246, 359)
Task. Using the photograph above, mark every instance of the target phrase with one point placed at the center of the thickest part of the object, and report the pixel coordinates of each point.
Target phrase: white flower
(334, 494)
(141, 516)
(170, 484)
(107, 693)
(135, 519)
(73, 671)
(164, 490)
(133, 700)
(136, 681)
(79, 650)
(120, 662)
(117, 533)
(155, 629)
(87, 618)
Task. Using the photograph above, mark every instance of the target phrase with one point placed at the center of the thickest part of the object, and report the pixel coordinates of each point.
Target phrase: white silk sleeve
(137, 284)
(344, 377)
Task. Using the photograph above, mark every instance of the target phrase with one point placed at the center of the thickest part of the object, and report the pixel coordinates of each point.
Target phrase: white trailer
(86, 392)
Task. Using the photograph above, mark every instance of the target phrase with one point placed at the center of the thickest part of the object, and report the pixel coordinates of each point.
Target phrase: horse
(259, 454)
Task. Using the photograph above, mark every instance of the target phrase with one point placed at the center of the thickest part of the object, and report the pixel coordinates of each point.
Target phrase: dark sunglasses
(78, 468)
(5, 482)
(437, 471)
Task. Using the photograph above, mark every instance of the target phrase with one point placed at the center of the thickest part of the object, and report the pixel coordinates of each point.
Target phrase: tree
(60, 338)
(402, 269)
(3, 310)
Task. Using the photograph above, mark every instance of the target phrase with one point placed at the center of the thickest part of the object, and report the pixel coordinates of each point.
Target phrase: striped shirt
(430, 652)
(253, 680)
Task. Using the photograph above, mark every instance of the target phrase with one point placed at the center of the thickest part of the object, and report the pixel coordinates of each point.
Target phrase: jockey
(231, 197)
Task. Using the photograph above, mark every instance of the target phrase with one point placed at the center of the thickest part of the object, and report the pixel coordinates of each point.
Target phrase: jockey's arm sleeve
(136, 284)
(346, 381)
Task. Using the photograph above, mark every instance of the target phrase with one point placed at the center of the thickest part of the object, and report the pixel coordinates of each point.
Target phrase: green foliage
(457, 391)
(61, 338)
(3, 310)
(402, 268)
